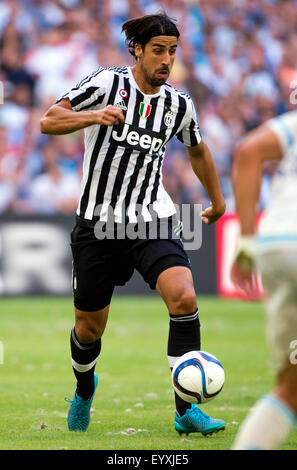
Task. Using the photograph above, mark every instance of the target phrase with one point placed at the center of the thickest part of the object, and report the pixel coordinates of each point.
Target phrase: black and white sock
(84, 358)
(184, 336)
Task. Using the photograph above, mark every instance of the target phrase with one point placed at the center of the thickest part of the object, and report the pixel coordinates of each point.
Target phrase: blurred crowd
(237, 59)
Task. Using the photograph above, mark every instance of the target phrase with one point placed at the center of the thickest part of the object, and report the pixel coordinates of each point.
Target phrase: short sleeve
(285, 129)
(89, 93)
(190, 133)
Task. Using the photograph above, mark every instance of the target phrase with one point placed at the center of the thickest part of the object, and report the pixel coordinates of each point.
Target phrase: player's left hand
(212, 213)
(243, 270)
(246, 281)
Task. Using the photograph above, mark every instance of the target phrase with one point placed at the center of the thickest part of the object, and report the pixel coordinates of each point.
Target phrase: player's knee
(90, 326)
(88, 331)
(183, 300)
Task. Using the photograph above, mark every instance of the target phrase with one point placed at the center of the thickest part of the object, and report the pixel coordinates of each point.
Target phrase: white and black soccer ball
(198, 377)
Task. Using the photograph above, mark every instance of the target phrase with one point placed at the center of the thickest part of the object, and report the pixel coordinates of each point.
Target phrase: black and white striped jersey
(122, 168)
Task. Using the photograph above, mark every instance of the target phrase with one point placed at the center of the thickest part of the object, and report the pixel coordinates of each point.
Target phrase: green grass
(134, 381)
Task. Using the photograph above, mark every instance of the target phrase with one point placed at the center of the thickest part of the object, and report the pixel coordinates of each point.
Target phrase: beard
(152, 79)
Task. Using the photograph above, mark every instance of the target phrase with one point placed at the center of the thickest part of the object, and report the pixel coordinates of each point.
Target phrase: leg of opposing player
(270, 421)
(272, 418)
(175, 285)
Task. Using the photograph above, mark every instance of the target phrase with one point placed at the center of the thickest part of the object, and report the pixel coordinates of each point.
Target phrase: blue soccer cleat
(78, 418)
(194, 420)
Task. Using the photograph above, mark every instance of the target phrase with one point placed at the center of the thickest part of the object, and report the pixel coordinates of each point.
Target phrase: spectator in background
(13, 69)
(237, 59)
(57, 188)
(9, 171)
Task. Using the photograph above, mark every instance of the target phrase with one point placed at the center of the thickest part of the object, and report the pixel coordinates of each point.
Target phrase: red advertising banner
(227, 234)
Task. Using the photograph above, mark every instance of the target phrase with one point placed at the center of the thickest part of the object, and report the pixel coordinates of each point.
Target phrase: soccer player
(129, 114)
(275, 254)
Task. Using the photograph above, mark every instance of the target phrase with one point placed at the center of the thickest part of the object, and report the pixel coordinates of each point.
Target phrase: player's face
(156, 59)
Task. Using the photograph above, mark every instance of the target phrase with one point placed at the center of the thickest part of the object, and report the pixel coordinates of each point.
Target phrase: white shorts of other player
(279, 275)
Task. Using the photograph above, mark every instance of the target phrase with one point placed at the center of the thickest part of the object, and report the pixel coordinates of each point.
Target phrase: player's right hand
(211, 214)
(109, 116)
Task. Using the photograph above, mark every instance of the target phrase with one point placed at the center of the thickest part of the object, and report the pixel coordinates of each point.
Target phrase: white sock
(266, 426)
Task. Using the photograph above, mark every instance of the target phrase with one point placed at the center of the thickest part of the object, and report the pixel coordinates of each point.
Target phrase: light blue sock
(266, 426)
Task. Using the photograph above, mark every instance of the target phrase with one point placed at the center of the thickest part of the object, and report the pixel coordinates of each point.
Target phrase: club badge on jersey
(168, 118)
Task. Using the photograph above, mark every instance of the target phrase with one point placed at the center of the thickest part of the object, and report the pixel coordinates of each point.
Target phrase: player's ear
(138, 51)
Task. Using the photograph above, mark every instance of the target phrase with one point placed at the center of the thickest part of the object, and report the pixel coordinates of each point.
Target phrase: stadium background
(237, 59)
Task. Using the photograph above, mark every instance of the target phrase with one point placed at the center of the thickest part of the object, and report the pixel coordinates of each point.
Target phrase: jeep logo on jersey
(135, 138)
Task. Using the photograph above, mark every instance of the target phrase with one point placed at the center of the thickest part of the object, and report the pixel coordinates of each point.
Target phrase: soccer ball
(198, 376)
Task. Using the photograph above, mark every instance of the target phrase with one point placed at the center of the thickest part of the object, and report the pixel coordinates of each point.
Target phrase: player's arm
(259, 146)
(204, 168)
(62, 119)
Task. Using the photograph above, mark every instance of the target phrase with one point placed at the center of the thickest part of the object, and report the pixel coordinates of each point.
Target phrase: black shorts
(100, 265)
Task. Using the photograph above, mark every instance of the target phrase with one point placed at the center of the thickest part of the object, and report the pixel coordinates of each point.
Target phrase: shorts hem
(90, 308)
(152, 283)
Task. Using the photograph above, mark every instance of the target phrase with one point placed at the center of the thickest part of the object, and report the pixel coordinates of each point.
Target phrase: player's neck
(143, 85)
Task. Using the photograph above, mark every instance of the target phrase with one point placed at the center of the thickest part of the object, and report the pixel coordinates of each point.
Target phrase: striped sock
(84, 358)
(266, 426)
(184, 336)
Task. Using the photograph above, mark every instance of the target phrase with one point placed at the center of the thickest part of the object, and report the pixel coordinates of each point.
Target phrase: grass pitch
(133, 408)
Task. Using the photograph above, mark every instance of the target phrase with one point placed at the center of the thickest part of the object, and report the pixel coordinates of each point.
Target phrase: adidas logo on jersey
(136, 138)
(121, 105)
